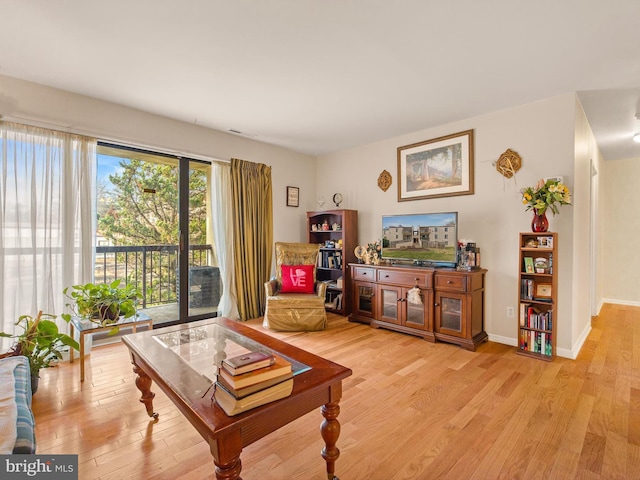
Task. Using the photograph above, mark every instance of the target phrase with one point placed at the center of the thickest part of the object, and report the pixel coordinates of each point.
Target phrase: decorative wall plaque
(509, 163)
(384, 180)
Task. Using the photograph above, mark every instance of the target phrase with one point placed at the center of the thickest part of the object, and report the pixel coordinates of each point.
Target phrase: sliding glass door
(153, 229)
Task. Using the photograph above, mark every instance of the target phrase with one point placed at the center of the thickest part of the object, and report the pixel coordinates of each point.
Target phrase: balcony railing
(152, 268)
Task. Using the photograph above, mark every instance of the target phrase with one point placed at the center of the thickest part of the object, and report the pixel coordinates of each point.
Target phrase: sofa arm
(271, 287)
(15, 374)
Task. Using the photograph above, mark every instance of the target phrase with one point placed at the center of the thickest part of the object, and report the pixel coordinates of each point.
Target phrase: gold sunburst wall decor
(509, 163)
(384, 180)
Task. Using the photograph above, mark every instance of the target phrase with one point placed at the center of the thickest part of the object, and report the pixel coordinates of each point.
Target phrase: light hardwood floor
(411, 410)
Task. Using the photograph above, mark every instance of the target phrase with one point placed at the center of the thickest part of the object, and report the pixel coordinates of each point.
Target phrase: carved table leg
(330, 430)
(143, 382)
(229, 471)
(226, 452)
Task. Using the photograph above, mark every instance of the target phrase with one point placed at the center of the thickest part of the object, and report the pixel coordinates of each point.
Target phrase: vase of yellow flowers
(545, 195)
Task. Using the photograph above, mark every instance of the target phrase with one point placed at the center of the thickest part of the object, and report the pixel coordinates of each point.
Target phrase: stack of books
(251, 380)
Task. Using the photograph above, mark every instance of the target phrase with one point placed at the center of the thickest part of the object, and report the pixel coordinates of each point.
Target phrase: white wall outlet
(510, 312)
(555, 179)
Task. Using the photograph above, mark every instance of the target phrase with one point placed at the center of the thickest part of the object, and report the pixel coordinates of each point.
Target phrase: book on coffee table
(233, 406)
(248, 362)
(243, 392)
(279, 367)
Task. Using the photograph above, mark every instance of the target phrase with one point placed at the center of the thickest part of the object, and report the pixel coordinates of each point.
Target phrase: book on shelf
(248, 362)
(526, 289)
(233, 405)
(523, 314)
(279, 367)
(528, 264)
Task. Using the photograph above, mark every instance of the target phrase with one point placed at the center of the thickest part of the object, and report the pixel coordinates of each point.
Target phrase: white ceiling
(318, 76)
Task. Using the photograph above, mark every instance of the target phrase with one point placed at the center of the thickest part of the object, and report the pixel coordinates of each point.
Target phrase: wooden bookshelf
(337, 233)
(538, 298)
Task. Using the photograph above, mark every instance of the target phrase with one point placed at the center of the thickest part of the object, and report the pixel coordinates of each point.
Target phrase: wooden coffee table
(182, 361)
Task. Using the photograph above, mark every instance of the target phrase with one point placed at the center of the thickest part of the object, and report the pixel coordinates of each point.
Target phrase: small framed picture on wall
(293, 197)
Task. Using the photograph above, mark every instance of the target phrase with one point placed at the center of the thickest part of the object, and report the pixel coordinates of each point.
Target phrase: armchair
(295, 300)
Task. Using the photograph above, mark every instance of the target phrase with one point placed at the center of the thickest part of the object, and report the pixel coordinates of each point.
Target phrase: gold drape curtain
(253, 234)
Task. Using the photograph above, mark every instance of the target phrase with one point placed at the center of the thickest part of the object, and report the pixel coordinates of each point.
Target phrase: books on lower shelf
(536, 342)
(233, 405)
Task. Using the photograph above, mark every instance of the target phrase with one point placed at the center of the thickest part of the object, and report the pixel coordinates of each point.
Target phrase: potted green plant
(102, 303)
(40, 341)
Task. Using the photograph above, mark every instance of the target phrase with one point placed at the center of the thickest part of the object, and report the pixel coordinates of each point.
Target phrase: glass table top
(83, 324)
(204, 347)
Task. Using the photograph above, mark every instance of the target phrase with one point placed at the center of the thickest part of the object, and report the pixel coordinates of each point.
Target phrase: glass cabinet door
(449, 314)
(389, 298)
(417, 315)
(364, 295)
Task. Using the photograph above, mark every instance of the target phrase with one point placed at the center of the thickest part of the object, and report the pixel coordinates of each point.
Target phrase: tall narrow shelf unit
(338, 240)
(538, 299)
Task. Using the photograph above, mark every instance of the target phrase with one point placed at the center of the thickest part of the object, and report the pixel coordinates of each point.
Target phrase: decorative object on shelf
(335, 227)
(360, 252)
(372, 253)
(541, 265)
(468, 255)
(545, 242)
(539, 224)
(337, 199)
(532, 243)
(325, 225)
(293, 197)
(451, 156)
(413, 296)
(508, 163)
(545, 195)
(384, 181)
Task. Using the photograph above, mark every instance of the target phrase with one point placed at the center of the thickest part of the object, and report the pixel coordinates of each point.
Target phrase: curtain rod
(33, 122)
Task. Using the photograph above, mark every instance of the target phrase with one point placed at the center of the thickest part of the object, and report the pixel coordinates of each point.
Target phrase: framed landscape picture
(441, 167)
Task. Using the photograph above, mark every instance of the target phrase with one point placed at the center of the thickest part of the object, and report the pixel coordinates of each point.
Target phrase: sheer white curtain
(223, 237)
(46, 219)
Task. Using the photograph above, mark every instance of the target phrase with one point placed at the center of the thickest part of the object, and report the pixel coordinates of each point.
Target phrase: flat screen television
(429, 239)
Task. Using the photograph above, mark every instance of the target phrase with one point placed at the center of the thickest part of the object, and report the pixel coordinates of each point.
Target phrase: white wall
(543, 134)
(48, 107)
(588, 161)
(621, 272)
